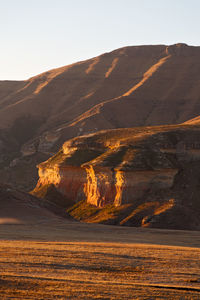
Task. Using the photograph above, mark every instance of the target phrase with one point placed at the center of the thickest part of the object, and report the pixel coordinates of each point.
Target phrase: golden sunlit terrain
(116, 141)
(63, 259)
(128, 87)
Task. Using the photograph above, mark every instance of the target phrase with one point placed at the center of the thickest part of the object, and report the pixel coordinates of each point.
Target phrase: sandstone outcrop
(124, 167)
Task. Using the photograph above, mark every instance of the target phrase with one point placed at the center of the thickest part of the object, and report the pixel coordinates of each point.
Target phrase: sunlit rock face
(120, 166)
(70, 181)
(121, 187)
(100, 188)
(134, 185)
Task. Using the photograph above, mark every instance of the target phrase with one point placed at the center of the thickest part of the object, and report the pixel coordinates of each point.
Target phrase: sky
(39, 35)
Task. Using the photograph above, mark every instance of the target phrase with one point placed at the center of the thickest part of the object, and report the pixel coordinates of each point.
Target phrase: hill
(17, 207)
(131, 86)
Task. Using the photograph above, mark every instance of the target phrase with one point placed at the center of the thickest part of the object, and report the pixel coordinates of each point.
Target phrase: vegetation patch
(76, 158)
(86, 212)
(58, 158)
(82, 211)
(82, 156)
(51, 194)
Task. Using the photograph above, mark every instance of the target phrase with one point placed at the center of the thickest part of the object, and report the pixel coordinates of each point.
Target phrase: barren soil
(63, 259)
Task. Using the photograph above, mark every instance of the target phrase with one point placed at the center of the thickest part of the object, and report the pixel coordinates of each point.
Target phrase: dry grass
(70, 260)
(89, 213)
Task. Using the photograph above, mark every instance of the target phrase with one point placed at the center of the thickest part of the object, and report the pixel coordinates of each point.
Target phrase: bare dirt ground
(63, 259)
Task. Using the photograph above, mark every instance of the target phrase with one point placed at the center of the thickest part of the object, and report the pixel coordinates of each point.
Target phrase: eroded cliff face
(69, 181)
(137, 177)
(117, 187)
(100, 188)
(120, 166)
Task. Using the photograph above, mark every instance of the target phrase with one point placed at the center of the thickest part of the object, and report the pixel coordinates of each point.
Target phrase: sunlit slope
(80, 86)
(131, 86)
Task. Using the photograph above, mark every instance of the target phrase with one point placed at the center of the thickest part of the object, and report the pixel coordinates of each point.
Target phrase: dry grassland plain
(71, 260)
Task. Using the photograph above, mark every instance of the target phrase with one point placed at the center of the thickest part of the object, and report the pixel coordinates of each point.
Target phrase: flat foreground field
(70, 260)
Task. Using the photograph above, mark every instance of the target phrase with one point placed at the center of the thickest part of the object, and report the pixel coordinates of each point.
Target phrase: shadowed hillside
(17, 207)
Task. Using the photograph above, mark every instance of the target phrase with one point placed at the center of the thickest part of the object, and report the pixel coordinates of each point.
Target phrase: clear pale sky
(38, 35)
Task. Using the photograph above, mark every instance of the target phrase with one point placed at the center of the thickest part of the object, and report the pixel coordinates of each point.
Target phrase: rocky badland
(146, 175)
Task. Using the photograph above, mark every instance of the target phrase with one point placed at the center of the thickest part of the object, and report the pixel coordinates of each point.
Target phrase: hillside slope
(17, 207)
(131, 86)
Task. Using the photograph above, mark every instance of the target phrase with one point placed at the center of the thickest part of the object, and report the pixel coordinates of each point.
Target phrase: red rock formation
(69, 180)
(118, 187)
(141, 171)
(128, 164)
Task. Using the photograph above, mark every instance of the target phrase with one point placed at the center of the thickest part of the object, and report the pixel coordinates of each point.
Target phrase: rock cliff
(124, 168)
